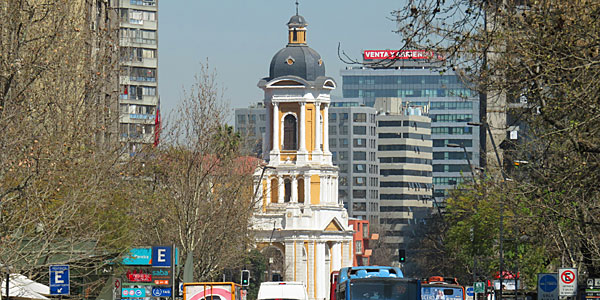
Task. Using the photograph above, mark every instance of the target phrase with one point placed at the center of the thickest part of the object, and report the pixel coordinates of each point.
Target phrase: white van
(282, 290)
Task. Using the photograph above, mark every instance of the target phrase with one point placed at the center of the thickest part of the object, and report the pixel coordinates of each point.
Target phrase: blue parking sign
(161, 256)
(59, 280)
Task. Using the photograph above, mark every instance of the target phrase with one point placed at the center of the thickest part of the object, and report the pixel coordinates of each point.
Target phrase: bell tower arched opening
(290, 136)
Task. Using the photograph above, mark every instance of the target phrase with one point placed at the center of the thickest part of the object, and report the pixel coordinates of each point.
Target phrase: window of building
(332, 142)
(359, 155)
(332, 130)
(343, 168)
(344, 143)
(358, 206)
(359, 117)
(343, 129)
(332, 117)
(241, 119)
(360, 143)
(343, 181)
(358, 248)
(359, 194)
(343, 155)
(360, 181)
(289, 133)
(343, 116)
(359, 129)
(360, 168)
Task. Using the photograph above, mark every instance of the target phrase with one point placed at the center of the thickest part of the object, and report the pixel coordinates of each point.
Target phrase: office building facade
(353, 145)
(418, 80)
(405, 161)
(138, 81)
(251, 124)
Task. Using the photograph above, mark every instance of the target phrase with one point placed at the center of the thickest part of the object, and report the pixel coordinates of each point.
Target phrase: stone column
(294, 189)
(280, 189)
(307, 197)
(302, 123)
(318, 130)
(275, 133)
(326, 129)
(268, 195)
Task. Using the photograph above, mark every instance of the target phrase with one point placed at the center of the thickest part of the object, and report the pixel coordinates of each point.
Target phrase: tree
(61, 197)
(204, 181)
(543, 55)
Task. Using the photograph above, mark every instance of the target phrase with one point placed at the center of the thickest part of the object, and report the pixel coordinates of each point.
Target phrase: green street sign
(479, 287)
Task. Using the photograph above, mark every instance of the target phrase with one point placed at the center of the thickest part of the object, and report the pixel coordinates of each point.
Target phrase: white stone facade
(297, 206)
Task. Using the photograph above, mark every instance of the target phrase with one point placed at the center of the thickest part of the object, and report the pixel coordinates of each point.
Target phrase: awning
(24, 288)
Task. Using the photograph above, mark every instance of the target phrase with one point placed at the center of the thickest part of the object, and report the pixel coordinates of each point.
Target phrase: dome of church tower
(297, 58)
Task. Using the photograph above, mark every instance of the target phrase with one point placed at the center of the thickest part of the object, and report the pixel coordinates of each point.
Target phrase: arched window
(288, 190)
(289, 133)
(301, 190)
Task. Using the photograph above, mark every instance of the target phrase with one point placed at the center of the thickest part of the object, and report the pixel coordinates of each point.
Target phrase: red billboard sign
(397, 54)
(138, 276)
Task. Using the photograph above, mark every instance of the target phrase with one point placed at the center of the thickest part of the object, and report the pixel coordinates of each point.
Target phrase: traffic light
(401, 255)
(245, 278)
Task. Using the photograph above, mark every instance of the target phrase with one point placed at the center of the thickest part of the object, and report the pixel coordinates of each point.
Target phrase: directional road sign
(567, 282)
(479, 287)
(161, 292)
(469, 291)
(59, 280)
(547, 286)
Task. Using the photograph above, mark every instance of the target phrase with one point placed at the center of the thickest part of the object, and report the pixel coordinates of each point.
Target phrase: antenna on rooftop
(297, 7)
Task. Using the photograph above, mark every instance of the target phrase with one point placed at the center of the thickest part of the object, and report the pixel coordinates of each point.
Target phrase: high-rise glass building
(138, 80)
(418, 80)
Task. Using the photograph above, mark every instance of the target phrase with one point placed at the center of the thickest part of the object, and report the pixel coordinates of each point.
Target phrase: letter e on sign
(161, 256)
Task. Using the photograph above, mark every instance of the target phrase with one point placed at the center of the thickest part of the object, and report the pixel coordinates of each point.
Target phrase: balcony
(138, 3)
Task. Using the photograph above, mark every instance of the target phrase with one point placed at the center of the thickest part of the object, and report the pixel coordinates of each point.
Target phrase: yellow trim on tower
(342, 254)
(309, 130)
(295, 260)
(307, 266)
(330, 246)
(350, 252)
(333, 226)
(315, 189)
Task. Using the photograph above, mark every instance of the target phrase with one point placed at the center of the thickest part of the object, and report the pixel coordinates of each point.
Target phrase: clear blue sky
(239, 38)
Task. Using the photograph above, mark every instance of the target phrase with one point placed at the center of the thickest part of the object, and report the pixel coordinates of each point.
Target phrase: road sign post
(479, 287)
(567, 282)
(59, 280)
(547, 286)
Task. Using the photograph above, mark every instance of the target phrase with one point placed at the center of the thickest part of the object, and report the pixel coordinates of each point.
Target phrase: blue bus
(375, 283)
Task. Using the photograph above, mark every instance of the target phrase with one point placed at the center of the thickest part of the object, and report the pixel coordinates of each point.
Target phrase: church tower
(300, 224)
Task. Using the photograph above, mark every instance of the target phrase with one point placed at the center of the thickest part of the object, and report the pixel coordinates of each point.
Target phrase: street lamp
(504, 178)
(264, 168)
(474, 181)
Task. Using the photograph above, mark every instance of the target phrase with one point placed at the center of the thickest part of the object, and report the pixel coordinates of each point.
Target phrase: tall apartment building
(415, 76)
(353, 145)
(405, 157)
(251, 123)
(138, 53)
